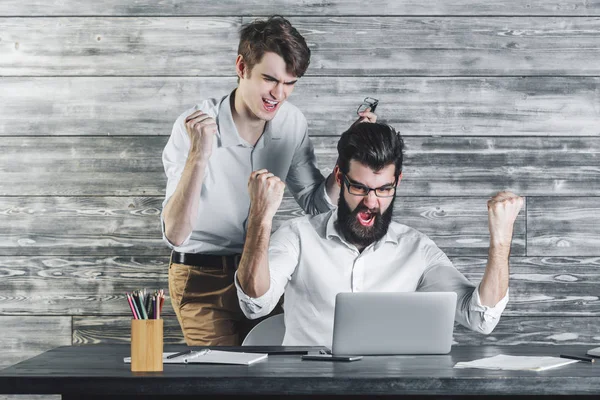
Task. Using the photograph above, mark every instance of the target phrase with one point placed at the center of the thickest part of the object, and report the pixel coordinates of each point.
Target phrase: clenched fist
(503, 209)
(266, 194)
(201, 128)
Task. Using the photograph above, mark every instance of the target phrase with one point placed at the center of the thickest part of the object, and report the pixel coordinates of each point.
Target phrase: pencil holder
(146, 345)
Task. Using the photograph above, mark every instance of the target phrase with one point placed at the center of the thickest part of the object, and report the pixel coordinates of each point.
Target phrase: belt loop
(224, 263)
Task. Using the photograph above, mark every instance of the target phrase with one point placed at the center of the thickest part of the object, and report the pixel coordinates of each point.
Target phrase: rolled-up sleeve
(490, 315)
(441, 275)
(283, 260)
(305, 180)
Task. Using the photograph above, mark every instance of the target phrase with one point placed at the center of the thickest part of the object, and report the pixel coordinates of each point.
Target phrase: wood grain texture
(118, 46)
(80, 226)
(207, 46)
(78, 285)
(291, 7)
(564, 226)
(117, 106)
(104, 329)
(434, 166)
(79, 165)
(534, 330)
(24, 337)
(561, 287)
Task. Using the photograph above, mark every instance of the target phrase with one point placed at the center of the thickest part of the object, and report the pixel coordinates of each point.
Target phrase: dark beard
(361, 236)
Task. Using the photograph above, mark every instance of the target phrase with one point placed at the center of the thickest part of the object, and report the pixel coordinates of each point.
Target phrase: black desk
(85, 371)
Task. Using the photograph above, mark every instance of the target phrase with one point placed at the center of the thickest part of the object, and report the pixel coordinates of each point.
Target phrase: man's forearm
(494, 283)
(182, 208)
(253, 272)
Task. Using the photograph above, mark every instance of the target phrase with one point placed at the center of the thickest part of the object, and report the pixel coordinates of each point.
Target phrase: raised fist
(201, 129)
(503, 209)
(266, 193)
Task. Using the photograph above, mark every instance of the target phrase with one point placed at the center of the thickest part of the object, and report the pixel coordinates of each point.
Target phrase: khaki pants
(206, 304)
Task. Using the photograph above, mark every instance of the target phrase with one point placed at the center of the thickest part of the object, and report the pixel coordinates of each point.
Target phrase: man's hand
(366, 116)
(202, 129)
(503, 209)
(266, 194)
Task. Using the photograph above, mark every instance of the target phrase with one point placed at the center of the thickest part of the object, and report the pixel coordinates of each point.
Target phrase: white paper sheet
(516, 363)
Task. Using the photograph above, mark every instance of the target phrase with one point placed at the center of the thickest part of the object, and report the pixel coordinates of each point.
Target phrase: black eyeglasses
(358, 189)
(368, 102)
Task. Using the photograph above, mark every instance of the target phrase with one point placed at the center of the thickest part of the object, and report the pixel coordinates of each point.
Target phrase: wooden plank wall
(489, 96)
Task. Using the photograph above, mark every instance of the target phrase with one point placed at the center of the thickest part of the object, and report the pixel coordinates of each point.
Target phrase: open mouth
(270, 105)
(366, 218)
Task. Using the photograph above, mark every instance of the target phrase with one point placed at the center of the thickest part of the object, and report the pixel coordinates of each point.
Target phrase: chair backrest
(268, 332)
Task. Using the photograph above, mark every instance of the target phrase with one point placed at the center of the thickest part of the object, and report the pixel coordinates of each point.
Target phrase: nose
(278, 91)
(370, 200)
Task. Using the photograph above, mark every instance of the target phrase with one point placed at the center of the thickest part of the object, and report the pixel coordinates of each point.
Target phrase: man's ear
(337, 174)
(399, 179)
(240, 66)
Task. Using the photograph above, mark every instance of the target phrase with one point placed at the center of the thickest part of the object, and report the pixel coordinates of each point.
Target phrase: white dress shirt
(311, 263)
(284, 149)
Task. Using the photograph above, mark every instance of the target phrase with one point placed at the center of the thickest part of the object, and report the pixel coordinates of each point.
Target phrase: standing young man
(213, 150)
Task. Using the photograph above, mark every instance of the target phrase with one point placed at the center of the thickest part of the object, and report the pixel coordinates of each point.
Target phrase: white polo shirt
(312, 263)
(284, 149)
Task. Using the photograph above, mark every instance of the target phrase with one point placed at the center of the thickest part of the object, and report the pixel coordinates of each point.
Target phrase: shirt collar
(331, 232)
(228, 131)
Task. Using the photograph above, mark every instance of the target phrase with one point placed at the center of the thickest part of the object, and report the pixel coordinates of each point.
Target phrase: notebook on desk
(208, 356)
(393, 323)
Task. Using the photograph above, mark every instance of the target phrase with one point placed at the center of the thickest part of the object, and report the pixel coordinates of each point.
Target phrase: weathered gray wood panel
(92, 286)
(293, 7)
(509, 331)
(207, 46)
(49, 285)
(81, 165)
(535, 330)
(564, 226)
(103, 329)
(545, 286)
(435, 166)
(531, 106)
(26, 336)
(80, 226)
(102, 106)
(118, 46)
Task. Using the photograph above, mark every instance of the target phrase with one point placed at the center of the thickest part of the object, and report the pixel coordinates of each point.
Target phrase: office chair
(268, 332)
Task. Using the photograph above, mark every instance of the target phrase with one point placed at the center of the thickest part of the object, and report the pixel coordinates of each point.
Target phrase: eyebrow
(352, 181)
(275, 79)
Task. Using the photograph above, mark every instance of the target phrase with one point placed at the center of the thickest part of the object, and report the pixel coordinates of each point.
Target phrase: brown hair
(276, 35)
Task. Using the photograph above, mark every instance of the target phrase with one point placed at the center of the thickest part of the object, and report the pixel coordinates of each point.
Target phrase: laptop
(393, 323)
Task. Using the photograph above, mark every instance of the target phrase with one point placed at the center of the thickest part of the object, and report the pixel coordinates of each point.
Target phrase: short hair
(276, 35)
(375, 145)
